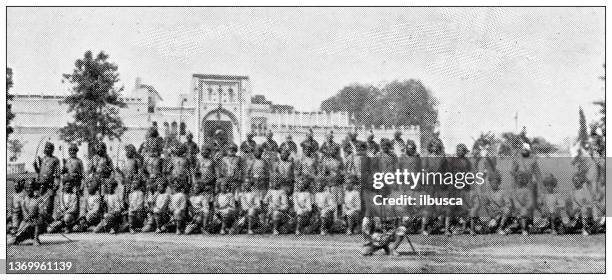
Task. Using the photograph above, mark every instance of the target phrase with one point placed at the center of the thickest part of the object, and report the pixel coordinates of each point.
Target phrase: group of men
(165, 185)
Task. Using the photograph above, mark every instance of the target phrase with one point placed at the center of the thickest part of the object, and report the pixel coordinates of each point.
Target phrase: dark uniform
(290, 146)
(192, 150)
(284, 169)
(357, 164)
(310, 143)
(270, 150)
(307, 167)
(179, 168)
(102, 166)
(133, 165)
(372, 147)
(248, 146)
(205, 173)
(151, 151)
(258, 172)
(49, 172)
(330, 147)
(230, 169)
(349, 145)
(73, 168)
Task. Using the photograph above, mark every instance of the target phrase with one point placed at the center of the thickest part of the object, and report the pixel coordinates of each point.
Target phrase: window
(230, 92)
(210, 90)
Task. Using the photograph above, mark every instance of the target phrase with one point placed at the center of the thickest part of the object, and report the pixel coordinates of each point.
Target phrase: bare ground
(168, 253)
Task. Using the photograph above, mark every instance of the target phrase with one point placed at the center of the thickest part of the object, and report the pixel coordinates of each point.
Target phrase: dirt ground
(168, 253)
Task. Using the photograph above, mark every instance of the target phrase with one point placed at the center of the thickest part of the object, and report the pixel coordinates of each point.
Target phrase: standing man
(270, 152)
(329, 147)
(151, 150)
(101, 165)
(284, 170)
(133, 166)
(179, 168)
(527, 162)
(248, 146)
(372, 147)
(220, 145)
(205, 174)
(349, 145)
(307, 166)
(231, 169)
(290, 146)
(73, 168)
(310, 143)
(192, 150)
(48, 169)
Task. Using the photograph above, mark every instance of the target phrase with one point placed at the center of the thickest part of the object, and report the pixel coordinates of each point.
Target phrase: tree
(15, 147)
(512, 142)
(9, 113)
(94, 99)
(539, 145)
(397, 103)
(485, 141)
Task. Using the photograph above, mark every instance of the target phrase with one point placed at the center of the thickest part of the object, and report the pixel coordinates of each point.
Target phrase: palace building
(214, 102)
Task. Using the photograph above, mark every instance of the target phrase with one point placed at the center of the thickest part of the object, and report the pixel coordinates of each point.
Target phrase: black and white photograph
(305, 140)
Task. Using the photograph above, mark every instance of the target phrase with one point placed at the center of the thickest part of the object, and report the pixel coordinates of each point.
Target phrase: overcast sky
(483, 64)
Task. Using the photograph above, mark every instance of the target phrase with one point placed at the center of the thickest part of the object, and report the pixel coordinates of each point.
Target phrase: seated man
(352, 204)
(250, 204)
(225, 206)
(113, 215)
(278, 204)
(552, 205)
(178, 204)
(199, 208)
(92, 212)
(522, 200)
(326, 205)
(67, 210)
(136, 205)
(302, 203)
(497, 204)
(32, 208)
(581, 208)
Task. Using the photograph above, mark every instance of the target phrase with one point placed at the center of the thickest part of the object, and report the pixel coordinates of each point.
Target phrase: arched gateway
(219, 119)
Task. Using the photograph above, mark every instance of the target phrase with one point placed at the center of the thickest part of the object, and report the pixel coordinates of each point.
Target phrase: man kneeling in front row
(387, 237)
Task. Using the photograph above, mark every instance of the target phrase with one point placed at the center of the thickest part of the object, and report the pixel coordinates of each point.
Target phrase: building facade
(214, 102)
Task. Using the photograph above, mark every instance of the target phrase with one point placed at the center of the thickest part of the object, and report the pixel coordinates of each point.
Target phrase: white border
(284, 3)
